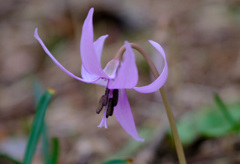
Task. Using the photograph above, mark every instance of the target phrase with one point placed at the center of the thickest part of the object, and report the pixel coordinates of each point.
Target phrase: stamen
(101, 104)
(112, 102)
(115, 97)
(106, 101)
(110, 107)
(106, 94)
(103, 101)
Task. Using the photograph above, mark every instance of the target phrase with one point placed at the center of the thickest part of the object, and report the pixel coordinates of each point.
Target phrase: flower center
(109, 99)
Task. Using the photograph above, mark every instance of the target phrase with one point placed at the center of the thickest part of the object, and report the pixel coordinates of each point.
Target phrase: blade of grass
(119, 161)
(226, 112)
(37, 126)
(45, 144)
(55, 151)
(48, 157)
(38, 92)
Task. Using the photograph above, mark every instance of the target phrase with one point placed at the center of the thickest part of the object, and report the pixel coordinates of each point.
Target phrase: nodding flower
(117, 76)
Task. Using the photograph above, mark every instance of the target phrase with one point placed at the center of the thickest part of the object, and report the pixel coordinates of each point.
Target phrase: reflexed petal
(57, 63)
(86, 75)
(124, 115)
(88, 54)
(110, 70)
(127, 74)
(159, 82)
(98, 45)
(104, 120)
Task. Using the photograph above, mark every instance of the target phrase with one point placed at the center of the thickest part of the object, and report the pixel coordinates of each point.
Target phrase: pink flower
(117, 76)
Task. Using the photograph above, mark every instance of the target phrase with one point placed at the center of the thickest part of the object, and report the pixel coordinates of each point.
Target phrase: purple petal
(159, 82)
(98, 45)
(104, 120)
(86, 75)
(88, 54)
(111, 68)
(101, 81)
(127, 75)
(57, 63)
(124, 115)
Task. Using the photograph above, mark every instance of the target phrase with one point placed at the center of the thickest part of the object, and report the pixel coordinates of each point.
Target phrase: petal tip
(91, 11)
(36, 32)
(158, 47)
(151, 41)
(126, 42)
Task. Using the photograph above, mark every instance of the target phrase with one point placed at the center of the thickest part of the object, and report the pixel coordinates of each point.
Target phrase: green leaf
(119, 161)
(45, 142)
(234, 110)
(225, 111)
(187, 129)
(50, 156)
(208, 122)
(8, 158)
(37, 126)
(38, 91)
(55, 151)
(211, 123)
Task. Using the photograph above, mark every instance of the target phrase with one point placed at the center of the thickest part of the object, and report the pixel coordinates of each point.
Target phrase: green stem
(178, 144)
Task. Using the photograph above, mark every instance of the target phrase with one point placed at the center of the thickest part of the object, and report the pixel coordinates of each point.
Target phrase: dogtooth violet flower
(117, 76)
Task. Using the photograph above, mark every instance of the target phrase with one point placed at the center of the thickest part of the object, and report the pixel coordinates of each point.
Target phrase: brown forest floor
(202, 43)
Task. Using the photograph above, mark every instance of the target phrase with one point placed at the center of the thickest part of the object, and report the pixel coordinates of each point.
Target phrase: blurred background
(202, 43)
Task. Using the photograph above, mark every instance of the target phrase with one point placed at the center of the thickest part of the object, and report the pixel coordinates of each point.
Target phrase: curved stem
(178, 144)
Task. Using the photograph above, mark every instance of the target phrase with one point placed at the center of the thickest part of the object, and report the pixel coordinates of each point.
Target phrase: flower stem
(178, 144)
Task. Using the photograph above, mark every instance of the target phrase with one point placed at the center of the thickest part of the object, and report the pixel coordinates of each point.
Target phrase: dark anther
(103, 101)
(112, 102)
(115, 97)
(101, 104)
(110, 108)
